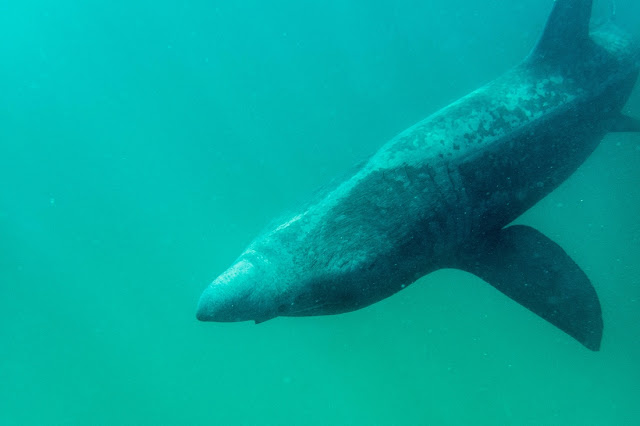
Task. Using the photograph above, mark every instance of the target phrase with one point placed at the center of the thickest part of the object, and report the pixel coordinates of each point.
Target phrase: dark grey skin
(440, 195)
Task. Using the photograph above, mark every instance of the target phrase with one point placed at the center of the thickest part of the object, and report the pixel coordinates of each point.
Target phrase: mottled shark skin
(442, 193)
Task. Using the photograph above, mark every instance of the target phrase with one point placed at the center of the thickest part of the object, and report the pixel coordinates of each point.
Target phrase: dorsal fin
(566, 31)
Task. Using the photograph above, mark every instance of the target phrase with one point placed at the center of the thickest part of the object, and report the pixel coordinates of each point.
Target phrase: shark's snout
(214, 306)
(225, 299)
(234, 296)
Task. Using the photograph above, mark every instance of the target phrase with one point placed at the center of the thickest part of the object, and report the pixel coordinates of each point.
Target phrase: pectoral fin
(624, 123)
(534, 271)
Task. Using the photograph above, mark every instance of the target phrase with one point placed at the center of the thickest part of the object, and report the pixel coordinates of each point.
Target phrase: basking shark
(442, 194)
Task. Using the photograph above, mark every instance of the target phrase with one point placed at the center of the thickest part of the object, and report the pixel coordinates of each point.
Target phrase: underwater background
(144, 144)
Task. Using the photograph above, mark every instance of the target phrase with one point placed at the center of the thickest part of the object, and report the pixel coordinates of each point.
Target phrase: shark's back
(474, 166)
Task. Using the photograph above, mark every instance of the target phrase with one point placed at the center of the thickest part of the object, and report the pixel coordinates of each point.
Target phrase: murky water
(144, 144)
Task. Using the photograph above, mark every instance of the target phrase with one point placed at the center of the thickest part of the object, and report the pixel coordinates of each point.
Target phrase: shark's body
(440, 194)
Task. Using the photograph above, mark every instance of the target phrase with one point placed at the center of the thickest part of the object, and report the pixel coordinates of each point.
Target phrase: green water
(144, 144)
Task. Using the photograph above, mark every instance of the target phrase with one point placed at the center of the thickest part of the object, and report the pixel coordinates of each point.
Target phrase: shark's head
(243, 292)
